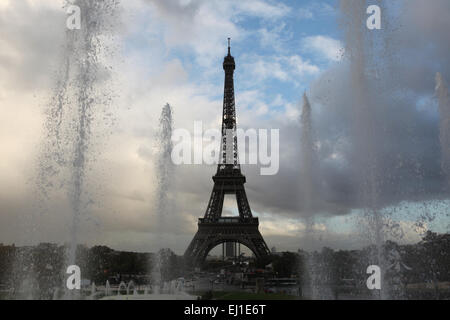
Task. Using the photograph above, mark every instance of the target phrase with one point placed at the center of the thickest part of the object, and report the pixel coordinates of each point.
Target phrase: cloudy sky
(171, 51)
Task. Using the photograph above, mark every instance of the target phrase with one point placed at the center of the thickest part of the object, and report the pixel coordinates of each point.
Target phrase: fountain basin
(179, 296)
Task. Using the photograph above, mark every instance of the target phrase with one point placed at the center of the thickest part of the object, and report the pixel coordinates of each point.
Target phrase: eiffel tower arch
(213, 229)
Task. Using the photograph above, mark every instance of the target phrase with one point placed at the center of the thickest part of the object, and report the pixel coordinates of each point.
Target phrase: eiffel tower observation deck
(213, 229)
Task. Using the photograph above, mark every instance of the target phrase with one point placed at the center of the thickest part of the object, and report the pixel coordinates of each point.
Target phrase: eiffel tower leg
(195, 248)
(260, 245)
(242, 203)
(215, 205)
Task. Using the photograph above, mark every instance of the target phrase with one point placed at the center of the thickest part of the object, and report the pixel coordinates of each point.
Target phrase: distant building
(230, 249)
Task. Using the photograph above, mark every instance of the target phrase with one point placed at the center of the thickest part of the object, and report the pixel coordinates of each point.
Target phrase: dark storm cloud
(406, 145)
(406, 138)
(424, 43)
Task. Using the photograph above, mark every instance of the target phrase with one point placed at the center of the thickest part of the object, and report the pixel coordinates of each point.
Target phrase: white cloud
(292, 112)
(264, 9)
(275, 37)
(278, 101)
(328, 48)
(263, 69)
(302, 67)
(203, 26)
(281, 68)
(314, 10)
(288, 227)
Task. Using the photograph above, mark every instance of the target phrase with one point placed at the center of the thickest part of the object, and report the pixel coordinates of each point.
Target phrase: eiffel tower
(214, 229)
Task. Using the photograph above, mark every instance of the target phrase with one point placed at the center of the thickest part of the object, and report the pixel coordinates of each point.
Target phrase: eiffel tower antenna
(213, 229)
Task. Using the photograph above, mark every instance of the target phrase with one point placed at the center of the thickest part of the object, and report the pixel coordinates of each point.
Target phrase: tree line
(426, 262)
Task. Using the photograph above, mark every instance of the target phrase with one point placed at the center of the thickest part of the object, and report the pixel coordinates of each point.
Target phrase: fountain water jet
(164, 172)
(309, 156)
(122, 285)
(96, 16)
(360, 53)
(129, 286)
(93, 290)
(80, 99)
(107, 288)
(318, 288)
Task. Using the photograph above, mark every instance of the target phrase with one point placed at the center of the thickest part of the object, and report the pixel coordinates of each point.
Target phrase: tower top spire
(228, 62)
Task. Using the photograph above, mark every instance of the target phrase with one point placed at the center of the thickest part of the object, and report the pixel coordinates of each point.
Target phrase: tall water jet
(122, 286)
(107, 288)
(97, 15)
(360, 53)
(317, 284)
(80, 102)
(309, 156)
(444, 124)
(164, 174)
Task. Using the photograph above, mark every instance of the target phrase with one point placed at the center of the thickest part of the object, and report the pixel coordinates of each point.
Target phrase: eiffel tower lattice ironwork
(214, 229)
